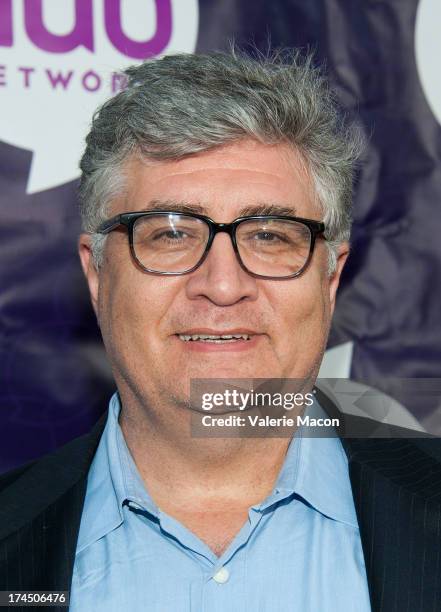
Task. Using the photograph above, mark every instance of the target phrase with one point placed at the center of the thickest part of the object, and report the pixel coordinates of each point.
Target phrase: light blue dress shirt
(299, 550)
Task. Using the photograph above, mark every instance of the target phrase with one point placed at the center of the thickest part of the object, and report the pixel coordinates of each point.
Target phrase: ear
(90, 271)
(334, 279)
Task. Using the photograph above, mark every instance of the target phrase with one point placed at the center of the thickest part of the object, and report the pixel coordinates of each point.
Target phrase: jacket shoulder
(29, 489)
(7, 478)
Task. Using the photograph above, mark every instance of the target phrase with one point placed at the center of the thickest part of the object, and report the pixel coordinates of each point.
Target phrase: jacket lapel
(40, 516)
(396, 483)
(397, 495)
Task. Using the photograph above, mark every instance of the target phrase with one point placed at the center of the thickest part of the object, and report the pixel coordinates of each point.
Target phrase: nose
(220, 278)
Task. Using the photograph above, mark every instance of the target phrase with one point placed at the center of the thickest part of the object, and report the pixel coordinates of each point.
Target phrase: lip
(217, 332)
(209, 347)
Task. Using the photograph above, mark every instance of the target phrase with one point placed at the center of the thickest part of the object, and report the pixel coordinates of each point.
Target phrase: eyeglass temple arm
(319, 230)
(109, 225)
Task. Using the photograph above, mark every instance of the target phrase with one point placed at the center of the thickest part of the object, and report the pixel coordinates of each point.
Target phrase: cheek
(124, 316)
(306, 314)
(133, 310)
(116, 317)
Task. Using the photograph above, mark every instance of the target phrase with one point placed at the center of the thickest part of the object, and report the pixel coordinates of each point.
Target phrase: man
(215, 198)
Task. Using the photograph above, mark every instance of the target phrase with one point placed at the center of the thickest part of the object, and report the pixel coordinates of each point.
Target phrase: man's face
(142, 315)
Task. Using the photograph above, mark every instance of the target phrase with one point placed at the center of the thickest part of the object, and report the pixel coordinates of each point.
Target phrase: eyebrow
(246, 211)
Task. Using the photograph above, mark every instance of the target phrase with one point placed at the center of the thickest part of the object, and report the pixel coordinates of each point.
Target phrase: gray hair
(184, 104)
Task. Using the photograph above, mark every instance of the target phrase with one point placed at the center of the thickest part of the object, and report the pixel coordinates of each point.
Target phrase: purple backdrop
(54, 379)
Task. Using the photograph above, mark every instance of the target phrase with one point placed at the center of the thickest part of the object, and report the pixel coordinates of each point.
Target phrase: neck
(192, 471)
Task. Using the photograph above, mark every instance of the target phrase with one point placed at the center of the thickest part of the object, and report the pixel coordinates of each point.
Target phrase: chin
(228, 371)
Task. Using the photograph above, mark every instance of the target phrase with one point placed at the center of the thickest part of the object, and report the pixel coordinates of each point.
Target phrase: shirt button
(222, 575)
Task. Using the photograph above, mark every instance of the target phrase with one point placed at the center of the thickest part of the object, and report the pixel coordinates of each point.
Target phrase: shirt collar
(127, 480)
(113, 478)
(316, 469)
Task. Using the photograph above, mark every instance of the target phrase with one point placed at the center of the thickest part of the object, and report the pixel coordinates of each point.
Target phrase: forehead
(223, 182)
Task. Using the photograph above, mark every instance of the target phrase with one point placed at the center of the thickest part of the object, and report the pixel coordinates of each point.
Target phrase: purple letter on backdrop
(5, 23)
(82, 33)
(132, 48)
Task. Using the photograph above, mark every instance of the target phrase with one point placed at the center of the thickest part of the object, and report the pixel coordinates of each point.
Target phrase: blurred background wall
(59, 59)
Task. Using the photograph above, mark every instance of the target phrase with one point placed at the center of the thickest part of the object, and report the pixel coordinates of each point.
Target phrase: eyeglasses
(173, 243)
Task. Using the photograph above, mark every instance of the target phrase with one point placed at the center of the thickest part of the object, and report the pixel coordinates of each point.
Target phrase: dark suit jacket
(396, 484)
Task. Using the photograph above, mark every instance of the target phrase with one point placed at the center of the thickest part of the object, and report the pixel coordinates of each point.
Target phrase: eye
(170, 235)
(267, 237)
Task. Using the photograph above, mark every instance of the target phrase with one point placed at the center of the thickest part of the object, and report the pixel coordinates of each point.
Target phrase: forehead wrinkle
(208, 166)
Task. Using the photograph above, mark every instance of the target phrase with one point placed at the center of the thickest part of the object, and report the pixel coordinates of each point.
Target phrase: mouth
(237, 339)
(214, 338)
